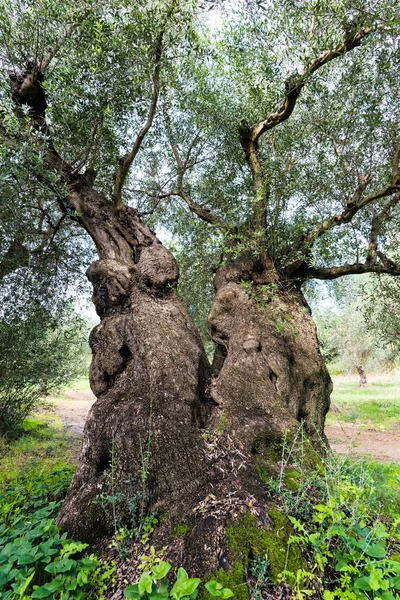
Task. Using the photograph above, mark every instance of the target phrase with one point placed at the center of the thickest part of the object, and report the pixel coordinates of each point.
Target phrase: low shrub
(153, 585)
(40, 351)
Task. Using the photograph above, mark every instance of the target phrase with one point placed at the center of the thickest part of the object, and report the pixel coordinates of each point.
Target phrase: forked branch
(250, 135)
(386, 266)
(126, 162)
(182, 166)
(53, 52)
(358, 201)
(202, 212)
(296, 82)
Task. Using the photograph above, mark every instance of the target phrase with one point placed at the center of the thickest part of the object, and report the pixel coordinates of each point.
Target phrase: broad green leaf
(82, 578)
(182, 574)
(183, 588)
(226, 593)
(132, 591)
(160, 596)
(376, 550)
(213, 587)
(362, 583)
(145, 583)
(386, 595)
(47, 590)
(161, 570)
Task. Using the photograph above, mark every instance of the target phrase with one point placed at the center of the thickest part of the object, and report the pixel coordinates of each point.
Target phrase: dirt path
(345, 438)
(359, 441)
(72, 408)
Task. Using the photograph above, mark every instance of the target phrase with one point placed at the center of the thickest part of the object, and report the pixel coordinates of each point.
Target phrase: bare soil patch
(72, 408)
(357, 441)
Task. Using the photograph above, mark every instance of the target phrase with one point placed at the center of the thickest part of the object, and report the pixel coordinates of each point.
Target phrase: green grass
(81, 383)
(377, 404)
(41, 447)
(386, 479)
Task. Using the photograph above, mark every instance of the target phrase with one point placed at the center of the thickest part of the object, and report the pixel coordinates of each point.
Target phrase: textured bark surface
(211, 441)
(273, 376)
(149, 373)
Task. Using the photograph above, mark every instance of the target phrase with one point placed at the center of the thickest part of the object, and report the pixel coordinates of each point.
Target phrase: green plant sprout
(153, 585)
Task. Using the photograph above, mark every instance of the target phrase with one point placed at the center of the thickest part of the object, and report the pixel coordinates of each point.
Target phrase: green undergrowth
(246, 541)
(154, 585)
(345, 518)
(333, 531)
(377, 404)
(37, 444)
(36, 559)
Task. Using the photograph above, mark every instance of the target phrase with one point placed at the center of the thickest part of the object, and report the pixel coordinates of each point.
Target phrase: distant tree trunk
(363, 377)
(207, 441)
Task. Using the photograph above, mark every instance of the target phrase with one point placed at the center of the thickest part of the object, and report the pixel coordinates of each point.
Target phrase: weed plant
(125, 503)
(154, 585)
(36, 560)
(345, 516)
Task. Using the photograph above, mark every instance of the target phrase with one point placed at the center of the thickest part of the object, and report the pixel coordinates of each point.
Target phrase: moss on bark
(247, 540)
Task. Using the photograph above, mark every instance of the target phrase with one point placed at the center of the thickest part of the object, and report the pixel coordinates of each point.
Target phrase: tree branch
(296, 82)
(91, 147)
(250, 135)
(182, 165)
(45, 62)
(126, 162)
(356, 202)
(327, 273)
(49, 234)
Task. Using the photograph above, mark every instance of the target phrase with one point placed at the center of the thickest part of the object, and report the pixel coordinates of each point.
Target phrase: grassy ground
(81, 383)
(377, 404)
(42, 447)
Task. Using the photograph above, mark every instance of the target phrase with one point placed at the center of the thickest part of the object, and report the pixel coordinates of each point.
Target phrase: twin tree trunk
(197, 442)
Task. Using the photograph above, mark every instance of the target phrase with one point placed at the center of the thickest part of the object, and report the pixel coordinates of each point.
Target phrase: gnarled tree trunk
(273, 376)
(207, 440)
(149, 373)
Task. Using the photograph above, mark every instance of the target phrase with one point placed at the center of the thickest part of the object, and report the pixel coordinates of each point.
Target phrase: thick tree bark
(149, 373)
(207, 444)
(273, 377)
(363, 376)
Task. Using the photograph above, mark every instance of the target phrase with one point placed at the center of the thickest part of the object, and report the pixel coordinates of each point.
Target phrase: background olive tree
(352, 337)
(40, 352)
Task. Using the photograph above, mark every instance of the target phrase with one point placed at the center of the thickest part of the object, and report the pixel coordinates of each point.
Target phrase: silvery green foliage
(39, 353)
